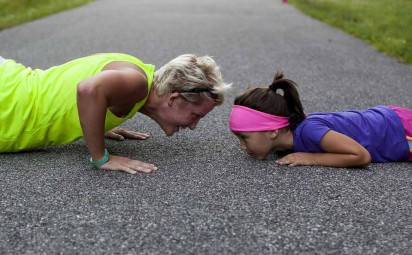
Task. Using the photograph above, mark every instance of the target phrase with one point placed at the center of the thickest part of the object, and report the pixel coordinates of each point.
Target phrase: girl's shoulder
(353, 113)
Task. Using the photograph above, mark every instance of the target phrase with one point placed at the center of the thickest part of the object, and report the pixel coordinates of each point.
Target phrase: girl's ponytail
(290, 93)
(280, 99)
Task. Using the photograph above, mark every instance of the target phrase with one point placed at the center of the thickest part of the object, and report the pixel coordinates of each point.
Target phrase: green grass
(14, 12)
(386, 24)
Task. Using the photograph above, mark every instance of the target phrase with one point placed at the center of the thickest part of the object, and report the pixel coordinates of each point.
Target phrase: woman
(90, 96)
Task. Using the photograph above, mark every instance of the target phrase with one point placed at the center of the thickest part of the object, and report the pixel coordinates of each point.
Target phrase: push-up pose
(90, 96)
(272, 118)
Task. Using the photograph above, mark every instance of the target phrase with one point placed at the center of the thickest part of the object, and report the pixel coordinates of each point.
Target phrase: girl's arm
(340, 151)
(95, 95)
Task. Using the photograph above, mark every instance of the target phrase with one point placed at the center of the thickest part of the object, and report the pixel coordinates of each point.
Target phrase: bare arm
(340, 151)
(98, 93)
(110, 88)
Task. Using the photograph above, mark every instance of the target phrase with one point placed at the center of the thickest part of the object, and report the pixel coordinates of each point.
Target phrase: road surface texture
(208, 197)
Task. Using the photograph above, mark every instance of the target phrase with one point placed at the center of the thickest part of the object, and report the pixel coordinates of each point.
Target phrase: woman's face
(256, 144)
(181, 114)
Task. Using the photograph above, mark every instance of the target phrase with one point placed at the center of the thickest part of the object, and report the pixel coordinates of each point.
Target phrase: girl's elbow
(364, 159)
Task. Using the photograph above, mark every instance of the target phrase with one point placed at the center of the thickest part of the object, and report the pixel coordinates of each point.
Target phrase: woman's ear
(172, 98)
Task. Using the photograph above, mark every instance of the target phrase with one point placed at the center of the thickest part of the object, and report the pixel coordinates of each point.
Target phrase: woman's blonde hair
(193, 76)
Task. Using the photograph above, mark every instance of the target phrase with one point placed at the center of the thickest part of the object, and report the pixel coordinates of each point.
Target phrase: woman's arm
(340, 151)
(110, 88)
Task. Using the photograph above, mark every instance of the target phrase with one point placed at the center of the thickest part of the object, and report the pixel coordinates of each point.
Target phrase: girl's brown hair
(281, 98)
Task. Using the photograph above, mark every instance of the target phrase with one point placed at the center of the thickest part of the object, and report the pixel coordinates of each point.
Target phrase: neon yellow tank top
(38, 108)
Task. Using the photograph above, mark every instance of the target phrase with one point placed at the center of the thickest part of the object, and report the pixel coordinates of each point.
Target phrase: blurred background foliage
(386, 24)
(14, 12)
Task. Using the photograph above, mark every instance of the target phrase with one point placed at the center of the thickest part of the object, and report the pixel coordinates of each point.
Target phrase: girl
(266, 119)
(90, 96)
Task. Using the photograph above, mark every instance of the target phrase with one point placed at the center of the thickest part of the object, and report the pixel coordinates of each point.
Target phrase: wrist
(100, 162)
(312, 159)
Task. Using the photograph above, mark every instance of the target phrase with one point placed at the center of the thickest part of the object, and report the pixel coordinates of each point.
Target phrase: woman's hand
(121, 134)
(117, 163)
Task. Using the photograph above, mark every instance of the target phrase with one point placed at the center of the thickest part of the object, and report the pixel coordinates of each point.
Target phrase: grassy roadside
(14, 12)
(386, 24)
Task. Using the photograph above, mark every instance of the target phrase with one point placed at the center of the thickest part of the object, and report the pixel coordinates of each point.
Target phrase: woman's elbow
(85, 90)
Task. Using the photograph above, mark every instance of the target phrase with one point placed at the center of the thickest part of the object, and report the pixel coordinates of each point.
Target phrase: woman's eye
(196, 116)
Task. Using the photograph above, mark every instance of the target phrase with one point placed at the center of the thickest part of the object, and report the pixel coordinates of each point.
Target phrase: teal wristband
(98, 163)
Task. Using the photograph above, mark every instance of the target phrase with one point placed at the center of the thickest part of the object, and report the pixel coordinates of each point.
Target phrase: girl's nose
(243, 146)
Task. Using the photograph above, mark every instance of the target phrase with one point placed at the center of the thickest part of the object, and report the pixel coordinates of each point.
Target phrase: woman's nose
(194, 124)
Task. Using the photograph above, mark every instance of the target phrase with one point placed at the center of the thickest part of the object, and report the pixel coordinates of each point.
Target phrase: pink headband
(244, 119)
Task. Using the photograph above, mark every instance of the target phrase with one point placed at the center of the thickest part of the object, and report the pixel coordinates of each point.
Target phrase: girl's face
(256, 144)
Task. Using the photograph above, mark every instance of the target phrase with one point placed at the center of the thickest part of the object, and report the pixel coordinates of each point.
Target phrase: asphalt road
(207, 196)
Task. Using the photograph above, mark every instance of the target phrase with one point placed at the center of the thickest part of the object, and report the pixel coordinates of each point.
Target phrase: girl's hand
(121, 134)
(339, 151)
(297, 159)
(117, 163)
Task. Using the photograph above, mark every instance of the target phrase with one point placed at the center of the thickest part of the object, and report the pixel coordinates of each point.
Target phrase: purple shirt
(378, 129)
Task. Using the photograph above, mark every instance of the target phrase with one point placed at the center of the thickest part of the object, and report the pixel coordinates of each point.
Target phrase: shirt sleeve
(312, 133)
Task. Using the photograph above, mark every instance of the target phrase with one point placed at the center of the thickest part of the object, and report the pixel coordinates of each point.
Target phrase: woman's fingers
(135, 135)
(114, 136)
(142, 167)
(130, 134)
(127, 170)
(127, 165)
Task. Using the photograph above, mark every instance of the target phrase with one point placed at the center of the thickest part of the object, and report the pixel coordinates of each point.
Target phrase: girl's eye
(240, 136)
